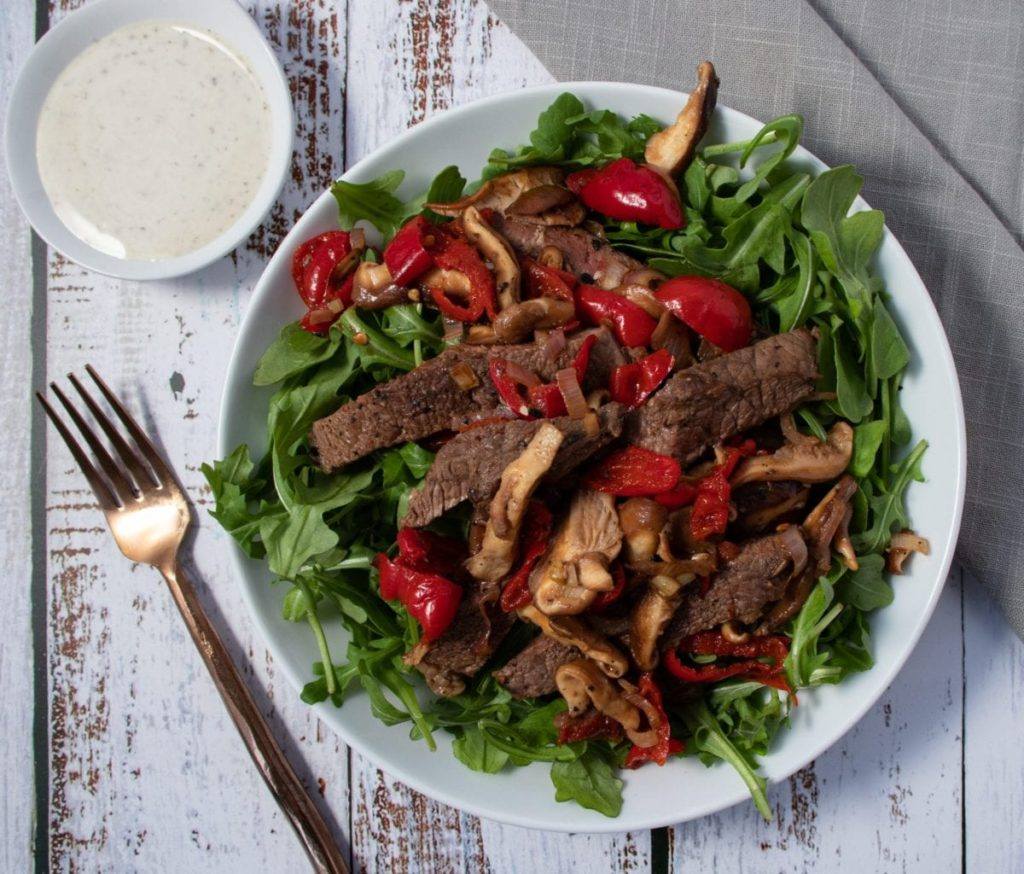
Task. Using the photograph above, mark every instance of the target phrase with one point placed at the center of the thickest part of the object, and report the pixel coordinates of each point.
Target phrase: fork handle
(270, 759)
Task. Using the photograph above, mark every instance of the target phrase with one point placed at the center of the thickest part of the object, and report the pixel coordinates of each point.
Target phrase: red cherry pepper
(432, 600)
(748, 654)
(631, 384)
(682, 495)
(716, 311)
(431, 553)
(711, 505)
(510, 391)
(629, 192)
(407, 256)
(630, 324)
(515, 594)
(338, 240)
(454, 253)
(666, 744)
(633, 472)
(547, 400)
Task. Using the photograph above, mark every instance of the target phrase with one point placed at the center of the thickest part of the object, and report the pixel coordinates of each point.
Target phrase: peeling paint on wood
(144, 765)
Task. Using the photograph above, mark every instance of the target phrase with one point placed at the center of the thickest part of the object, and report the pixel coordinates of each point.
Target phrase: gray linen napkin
(926, 99)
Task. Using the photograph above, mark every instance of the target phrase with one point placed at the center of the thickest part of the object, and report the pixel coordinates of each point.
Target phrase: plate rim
(621, 823)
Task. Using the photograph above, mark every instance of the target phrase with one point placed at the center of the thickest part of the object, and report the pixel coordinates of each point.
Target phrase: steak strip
(758, 576)
(710, 402)
(531, 673)
(469, 466)
(427, 400)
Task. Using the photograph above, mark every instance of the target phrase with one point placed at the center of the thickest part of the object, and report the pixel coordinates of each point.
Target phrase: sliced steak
(469, 466)
(710, 402)
(585, 254)
(531, 673)
(740, 591)
(478, 628)
(428, 400)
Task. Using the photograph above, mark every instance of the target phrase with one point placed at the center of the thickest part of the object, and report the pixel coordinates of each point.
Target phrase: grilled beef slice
(476, 631)
(710, 402)
(741, 590)
(469, 466)
(428, 400)
(585, 255)
(531, 673)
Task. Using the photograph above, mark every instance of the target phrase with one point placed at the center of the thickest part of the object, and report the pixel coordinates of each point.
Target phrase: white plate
(683, 789)
(72, 36)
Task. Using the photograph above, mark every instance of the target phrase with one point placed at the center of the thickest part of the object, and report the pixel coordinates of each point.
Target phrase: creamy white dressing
(153, 141)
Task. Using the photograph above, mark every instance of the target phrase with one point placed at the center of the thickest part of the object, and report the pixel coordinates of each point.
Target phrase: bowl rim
(48, 59)
(887, 672)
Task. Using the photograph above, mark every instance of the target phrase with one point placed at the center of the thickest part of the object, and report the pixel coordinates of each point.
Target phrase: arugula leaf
(814, 617)
(590, 781)
(477, 753)
(888, 352)
(292, 538)
(711, 743)
(295, 351)
(888, 512)
(788, 128)
(373, 201)
(794, 309)
(867, 437)
(234, 484)
(866, 588)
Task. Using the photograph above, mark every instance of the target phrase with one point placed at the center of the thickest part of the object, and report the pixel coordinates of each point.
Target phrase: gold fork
(148, 514)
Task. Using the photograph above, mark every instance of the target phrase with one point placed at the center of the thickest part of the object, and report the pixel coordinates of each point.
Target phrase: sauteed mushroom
(642, 520)
(576, 567)
(651, 616)
(808, 461)
(582, 684)
(573, 631)
(518, 480)
(495, 249)
(501, 191)
(517, 321)
(824, 521)
(374, 289)
(671, 149)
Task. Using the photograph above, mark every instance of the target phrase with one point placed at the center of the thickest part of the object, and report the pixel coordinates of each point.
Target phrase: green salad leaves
(756, 219)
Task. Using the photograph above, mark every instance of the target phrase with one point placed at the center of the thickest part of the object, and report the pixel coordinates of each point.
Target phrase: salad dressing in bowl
(154, 140)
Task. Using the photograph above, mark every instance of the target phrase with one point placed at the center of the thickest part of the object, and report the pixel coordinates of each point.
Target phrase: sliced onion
(521, 375)
(464, 376)
(453, 329)
(569, 386)
(554, 344)
(662, 330)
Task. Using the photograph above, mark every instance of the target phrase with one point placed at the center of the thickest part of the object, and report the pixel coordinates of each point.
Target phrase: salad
(604, 449)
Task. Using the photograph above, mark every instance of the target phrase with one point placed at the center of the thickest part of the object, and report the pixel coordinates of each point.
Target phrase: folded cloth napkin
(927, 101)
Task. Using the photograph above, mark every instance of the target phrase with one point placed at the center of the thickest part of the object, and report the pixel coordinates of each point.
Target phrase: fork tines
(127, 474)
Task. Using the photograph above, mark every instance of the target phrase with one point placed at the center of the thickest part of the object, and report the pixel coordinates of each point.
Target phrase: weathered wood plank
(993, 728)
(885, 798)
(16, 547)
(407, 61)
(145, 765)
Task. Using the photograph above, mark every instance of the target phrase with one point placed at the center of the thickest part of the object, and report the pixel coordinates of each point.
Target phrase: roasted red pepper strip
(431, 553)
(534, 543)
(716, 311)
(319, 320)
(590, 725)
(666, 744)
(749, 667)
(510, 391)
(711, 506)
(582, 359)
(630, 324)
(432, 600)
(681, 496)
(629, 192)
(452, 252)
(542, 281)
(407, 256)
(547, 400)
(633, 472)
(604, 600)
(632, 384)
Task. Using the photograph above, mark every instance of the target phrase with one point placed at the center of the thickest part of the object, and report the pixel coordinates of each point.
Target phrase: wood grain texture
(17, 803)
(146, 771)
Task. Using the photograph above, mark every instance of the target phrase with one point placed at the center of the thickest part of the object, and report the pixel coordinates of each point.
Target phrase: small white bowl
(72, 36)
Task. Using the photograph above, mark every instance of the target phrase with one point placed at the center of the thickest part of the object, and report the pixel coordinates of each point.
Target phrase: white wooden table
(116, 752)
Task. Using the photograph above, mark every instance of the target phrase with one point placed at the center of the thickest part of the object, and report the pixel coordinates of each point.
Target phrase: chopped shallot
(569, 386)
(464, 376)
